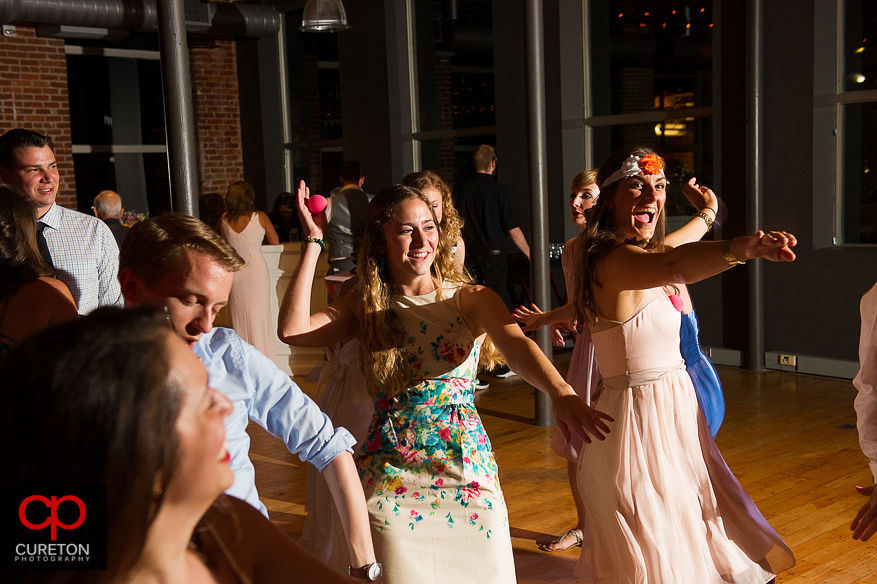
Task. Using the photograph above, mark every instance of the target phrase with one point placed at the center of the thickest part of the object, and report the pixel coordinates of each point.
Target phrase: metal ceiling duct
(244, 20)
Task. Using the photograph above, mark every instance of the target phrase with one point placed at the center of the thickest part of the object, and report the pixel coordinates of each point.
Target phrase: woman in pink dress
(583, 374)
(662, 506)
(249, 306)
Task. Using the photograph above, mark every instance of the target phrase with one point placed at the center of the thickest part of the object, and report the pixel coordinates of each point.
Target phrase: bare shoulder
(49, 292)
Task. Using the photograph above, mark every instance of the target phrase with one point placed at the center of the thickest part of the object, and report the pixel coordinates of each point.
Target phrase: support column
(178, 110)
(755, 204)
(538, 163)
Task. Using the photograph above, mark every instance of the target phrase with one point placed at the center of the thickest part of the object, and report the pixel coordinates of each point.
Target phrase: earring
(159, 491)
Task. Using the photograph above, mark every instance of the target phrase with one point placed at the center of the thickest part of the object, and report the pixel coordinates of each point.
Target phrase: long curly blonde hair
(383, 356)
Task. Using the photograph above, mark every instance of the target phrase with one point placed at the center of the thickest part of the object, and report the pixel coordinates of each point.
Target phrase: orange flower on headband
(651, 164)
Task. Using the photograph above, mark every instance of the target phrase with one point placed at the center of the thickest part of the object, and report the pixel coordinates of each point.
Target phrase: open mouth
(419, 256)
(646, 215)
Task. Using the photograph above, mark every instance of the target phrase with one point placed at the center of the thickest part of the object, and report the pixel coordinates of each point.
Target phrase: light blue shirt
(85, 256)
(262, 392)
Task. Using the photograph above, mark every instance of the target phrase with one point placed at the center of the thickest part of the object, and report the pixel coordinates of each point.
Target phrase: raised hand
(700, 196)
(313, 225)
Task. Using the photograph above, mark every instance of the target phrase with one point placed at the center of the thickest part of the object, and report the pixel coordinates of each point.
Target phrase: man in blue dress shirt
(177, 261)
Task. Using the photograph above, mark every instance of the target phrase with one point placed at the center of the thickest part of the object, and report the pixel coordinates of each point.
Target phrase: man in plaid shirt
(81, 248)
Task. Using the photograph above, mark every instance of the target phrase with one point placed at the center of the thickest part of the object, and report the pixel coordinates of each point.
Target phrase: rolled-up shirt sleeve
(279, 405)
(262, 392)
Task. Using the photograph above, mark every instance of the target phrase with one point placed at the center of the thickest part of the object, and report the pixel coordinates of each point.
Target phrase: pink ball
(317, 204)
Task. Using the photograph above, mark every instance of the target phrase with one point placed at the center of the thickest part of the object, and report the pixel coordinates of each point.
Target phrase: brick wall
(217, 113)
(33, 95)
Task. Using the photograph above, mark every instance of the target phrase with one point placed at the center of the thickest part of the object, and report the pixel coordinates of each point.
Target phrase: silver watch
(369, 572)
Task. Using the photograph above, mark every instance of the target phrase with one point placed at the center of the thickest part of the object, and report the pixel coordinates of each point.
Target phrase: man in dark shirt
(489, 219)
(108, 208)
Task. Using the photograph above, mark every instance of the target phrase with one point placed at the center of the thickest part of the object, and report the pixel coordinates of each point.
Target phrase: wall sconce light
(324, 16)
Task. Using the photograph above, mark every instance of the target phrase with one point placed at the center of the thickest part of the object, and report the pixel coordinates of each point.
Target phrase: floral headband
(634, 165)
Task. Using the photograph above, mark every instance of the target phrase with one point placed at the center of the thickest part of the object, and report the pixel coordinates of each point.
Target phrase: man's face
(193, 296)
(34, 173)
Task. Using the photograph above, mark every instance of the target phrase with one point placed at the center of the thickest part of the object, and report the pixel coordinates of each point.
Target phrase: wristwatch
(369, 572)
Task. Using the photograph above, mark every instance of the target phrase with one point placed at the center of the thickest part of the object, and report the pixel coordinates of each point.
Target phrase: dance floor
(790, 439)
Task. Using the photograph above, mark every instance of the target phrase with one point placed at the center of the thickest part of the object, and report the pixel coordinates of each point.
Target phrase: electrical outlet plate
(791, 360)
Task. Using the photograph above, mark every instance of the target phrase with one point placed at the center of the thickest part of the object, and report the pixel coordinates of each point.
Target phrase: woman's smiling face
(411, 237)
(637, 202)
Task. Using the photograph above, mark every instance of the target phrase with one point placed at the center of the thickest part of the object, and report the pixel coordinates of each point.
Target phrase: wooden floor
(790, 439)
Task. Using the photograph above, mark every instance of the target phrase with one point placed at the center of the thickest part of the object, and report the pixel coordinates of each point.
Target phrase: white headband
(634, 165)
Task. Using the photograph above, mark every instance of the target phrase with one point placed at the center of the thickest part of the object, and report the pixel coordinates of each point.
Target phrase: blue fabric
(703, 374)
(262, 392)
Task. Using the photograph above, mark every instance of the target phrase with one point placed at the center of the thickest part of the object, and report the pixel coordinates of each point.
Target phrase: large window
(650, 82)
(117, 125)
(453, 68)
(845, 114)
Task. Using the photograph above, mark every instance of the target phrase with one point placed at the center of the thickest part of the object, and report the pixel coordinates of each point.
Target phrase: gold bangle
(706, 218)
(729, 256)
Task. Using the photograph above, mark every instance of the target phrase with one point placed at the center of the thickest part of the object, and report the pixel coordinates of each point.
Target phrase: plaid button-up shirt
(85, 256)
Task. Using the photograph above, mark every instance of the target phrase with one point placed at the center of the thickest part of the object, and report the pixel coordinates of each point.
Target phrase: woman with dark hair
(427, 468)
(249, 306)
(284, 217)
(30, 299)
(118, 400)
(661, 504)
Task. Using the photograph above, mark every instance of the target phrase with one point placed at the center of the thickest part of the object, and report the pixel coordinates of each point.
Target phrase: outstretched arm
(557, 319)
(631, 268)
(296, 325)
(485, 312)
(343, 482)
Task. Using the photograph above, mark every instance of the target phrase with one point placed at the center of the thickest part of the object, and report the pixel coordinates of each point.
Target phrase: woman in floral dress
(427, 467)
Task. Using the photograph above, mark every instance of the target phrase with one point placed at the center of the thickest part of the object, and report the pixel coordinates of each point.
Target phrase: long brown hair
(601, 235)
(20, 259)
(93, 402)
(240, 200)
(384, 360)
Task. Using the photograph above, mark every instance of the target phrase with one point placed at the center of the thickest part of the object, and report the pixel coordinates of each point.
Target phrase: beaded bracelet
(310, 239)
(706, 218)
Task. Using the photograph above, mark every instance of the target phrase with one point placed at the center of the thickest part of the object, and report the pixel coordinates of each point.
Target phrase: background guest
(249, 306)
(108, 208)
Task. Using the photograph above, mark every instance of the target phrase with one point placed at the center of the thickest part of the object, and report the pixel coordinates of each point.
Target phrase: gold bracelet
(706, 218)
(729, 256)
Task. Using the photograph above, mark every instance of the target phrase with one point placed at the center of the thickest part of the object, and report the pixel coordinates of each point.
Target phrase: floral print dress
(427, 468)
